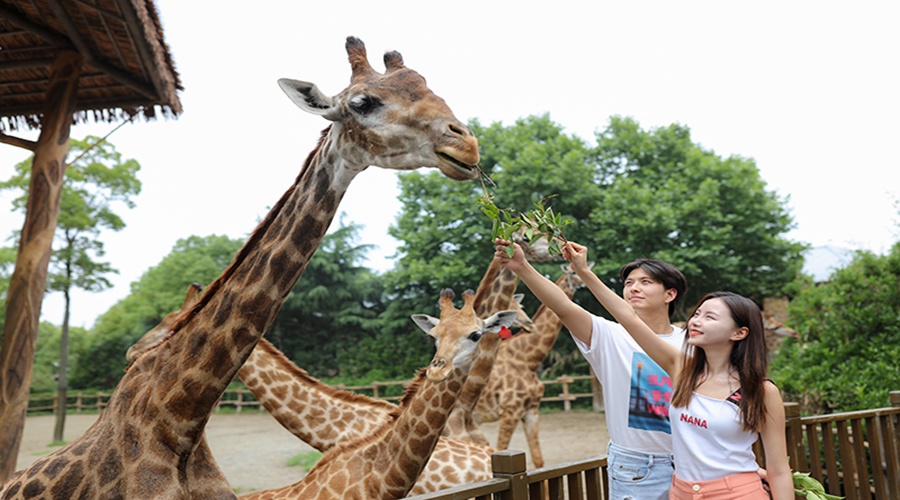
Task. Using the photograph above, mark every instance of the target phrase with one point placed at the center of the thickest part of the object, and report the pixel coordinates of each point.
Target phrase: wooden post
(567, 399)
(597, 392)
(794, 436)
(29, 279)
(895, 398)
(511, 465)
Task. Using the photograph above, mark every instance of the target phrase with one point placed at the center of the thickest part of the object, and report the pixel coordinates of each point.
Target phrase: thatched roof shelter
(128, 70)
(62, 62)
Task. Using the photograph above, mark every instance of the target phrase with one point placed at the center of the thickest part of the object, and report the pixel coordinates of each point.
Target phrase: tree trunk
(62, 380)
(29, 279)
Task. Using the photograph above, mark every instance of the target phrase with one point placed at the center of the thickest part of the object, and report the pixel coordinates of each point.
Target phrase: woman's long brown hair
(750, 357)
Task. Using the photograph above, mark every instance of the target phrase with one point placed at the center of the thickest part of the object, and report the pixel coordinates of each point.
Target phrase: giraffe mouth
(455, 168)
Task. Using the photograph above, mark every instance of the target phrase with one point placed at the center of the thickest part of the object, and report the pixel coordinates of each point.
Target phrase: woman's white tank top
(708, 441)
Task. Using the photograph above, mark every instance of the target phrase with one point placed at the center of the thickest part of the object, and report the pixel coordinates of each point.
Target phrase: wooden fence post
(794, 435)
(895, 398)
(511, 465)
(567, 399)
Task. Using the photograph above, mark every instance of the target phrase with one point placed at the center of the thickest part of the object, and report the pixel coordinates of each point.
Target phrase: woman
(721, 400)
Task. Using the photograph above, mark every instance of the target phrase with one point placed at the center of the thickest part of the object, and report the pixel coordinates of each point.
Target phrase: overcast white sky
(809, 89)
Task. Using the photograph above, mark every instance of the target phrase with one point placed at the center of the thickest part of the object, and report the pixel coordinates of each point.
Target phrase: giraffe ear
(425, 322)
(309, 98)
(499, 320)
(518, 297)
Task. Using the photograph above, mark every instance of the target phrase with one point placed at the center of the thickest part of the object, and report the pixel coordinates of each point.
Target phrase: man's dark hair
(665, 273)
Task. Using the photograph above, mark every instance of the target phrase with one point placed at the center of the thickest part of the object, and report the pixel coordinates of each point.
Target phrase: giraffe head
(523, 322)
(535, 249)
(153, 336)
(458, 333)
(391, 119)
(570, 278)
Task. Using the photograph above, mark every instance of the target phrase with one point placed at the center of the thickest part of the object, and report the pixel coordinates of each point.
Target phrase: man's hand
(576, 255)
(514, 263)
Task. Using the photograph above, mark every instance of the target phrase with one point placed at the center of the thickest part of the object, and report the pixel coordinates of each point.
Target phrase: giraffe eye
(475, 336)
(364, 104)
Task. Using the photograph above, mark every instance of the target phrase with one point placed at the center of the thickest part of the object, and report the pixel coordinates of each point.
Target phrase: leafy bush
(847, 356)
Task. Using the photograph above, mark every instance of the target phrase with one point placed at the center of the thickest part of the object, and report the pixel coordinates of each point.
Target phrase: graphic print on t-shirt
(651, 390)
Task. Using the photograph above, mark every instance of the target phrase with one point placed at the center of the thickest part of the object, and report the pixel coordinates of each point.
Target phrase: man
(640, 450)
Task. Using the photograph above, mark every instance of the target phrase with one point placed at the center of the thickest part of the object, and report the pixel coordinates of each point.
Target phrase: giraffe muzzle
(438, 369)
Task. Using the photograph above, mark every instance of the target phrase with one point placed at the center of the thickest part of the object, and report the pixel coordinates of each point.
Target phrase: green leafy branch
(541, 221)
(810, 488)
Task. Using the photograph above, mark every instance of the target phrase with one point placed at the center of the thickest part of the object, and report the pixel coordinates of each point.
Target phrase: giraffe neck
(533, 348)
(318, 414)
(496, 289)
(188, 372)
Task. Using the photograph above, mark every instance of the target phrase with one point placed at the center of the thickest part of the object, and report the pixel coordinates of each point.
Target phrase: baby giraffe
(386, 463)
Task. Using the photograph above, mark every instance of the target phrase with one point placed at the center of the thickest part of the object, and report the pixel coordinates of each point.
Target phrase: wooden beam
(18, 141)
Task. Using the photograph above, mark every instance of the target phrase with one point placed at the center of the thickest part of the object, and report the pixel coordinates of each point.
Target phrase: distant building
(822, 261)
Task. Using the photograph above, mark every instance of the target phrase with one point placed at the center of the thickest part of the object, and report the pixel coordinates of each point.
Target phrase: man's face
(645, 293)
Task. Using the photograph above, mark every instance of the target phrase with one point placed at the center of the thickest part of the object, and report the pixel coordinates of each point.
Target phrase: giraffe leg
(508, 422)
(531, 422)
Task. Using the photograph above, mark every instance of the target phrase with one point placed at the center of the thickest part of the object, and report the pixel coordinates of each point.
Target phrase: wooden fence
(854, 454)
(241, 399)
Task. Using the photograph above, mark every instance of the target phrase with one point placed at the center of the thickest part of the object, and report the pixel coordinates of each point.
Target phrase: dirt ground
(252, 449)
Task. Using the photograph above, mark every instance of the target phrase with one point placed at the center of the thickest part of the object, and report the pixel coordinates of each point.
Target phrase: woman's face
(712, 324)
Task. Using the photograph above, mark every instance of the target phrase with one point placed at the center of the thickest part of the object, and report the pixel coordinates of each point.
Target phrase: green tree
(46, 355)
(665, 197)
(98, 182)
(332, 309)
(159, 291)
(846, 358)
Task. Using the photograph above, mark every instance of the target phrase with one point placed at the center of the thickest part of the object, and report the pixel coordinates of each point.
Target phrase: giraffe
(147, 443)
(386, 463)
(496, 291)
(513, 393)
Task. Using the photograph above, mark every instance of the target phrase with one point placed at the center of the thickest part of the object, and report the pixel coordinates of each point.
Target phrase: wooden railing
(582, 479)
(854, 454)
(241, 399)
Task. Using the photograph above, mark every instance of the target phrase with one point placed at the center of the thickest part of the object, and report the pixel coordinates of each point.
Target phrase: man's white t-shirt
(636, 391)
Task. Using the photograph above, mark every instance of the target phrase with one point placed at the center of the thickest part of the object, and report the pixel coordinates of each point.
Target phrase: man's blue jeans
(638, 476)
